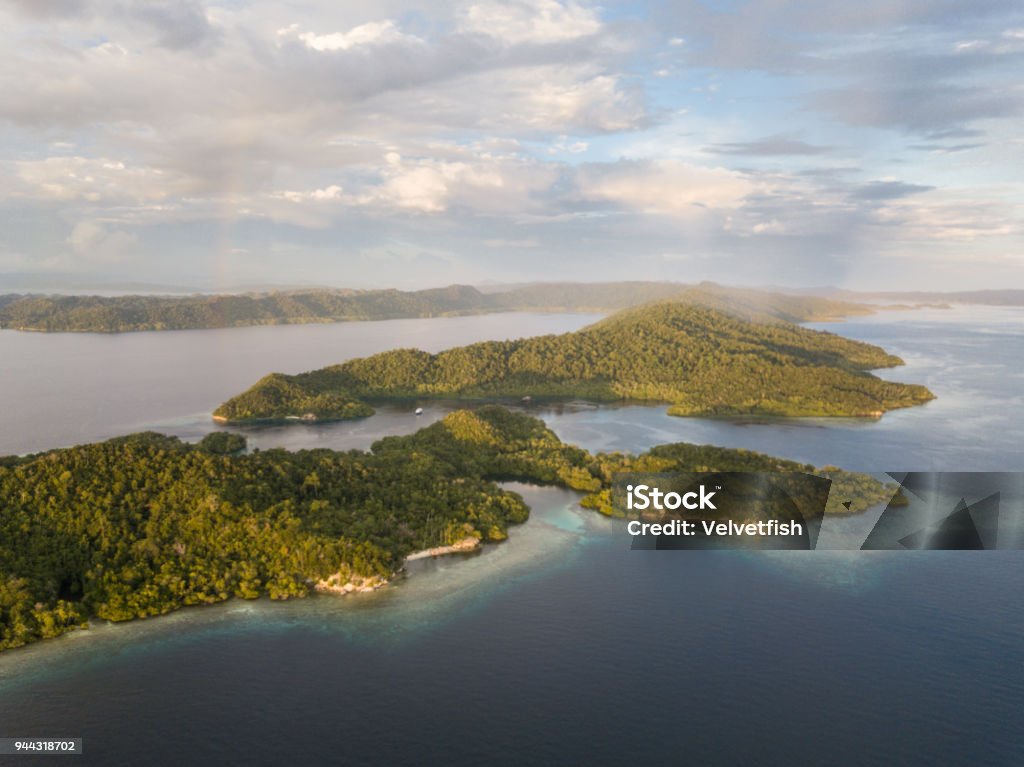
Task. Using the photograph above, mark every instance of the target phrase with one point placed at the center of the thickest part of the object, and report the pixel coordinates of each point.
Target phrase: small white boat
(419, 411)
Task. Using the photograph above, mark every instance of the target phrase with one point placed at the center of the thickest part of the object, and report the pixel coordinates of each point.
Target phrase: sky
(875, 144)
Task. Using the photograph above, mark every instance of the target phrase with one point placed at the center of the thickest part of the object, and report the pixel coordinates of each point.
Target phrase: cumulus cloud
(479, 182)
(530, 21)
(429, 186)
(663, 187)
(365, 35)
(596, 103)
(97, 180)
(99, 243)
(157, 133)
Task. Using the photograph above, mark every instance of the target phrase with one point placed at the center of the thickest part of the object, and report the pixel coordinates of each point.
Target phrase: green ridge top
(697, 359)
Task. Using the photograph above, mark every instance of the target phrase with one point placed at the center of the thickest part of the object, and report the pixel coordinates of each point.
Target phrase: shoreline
(464, 546)
(334, 584)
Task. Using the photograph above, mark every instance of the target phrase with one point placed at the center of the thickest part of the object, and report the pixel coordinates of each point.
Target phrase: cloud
(370, 34)
(915, 66)
(296, 136)
(97, 180)
(44, 8)
(98, 243)
(662, 186)
(772, 146)
(810, 35)
(179, 24)
(946, 148)
(587, 104)
(936, 110)
(534, 22)
(527, 102)
(945, 220)
(484, 184)
(327, 194)
(887, 190)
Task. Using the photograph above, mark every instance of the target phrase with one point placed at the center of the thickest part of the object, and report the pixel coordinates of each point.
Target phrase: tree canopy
(115, 314)
(699, 360)
(144, 524)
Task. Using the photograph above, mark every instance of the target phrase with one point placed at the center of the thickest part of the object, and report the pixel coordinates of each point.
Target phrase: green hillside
(700, 361)
(134, 313)
(114, 314)
(142, 525)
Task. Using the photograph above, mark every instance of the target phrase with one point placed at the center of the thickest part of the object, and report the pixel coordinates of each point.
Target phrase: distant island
(134, 313)
(145, 524)
(693, 354)
(933, 299)
(118, 314)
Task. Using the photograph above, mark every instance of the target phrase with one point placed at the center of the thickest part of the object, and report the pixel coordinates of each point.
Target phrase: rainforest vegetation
(136, 313)
(142, 525)
(699, 360)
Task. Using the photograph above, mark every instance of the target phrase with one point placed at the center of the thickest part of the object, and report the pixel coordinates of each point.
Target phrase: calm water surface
(561, 645)
(61, 389)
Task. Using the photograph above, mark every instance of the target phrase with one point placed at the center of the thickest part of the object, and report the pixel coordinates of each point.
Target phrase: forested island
(141, 313)
(933, 299)
(699, 360)
(145, 524)
(132, 313)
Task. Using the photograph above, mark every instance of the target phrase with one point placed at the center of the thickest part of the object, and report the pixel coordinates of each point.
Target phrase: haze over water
(560, 645)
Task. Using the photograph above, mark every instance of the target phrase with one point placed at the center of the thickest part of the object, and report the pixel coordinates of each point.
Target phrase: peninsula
(145, 524)
(712, 356)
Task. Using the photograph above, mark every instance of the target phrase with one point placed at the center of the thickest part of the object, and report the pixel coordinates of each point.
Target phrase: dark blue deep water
(608, 657)
(562, 646)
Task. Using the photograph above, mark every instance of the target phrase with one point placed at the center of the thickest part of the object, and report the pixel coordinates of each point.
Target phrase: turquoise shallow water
(432, 591)
(563, 646)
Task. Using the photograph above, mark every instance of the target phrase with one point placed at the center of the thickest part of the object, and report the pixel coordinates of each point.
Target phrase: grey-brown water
(61, 389)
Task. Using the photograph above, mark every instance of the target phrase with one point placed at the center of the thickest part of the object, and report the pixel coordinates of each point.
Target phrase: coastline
(333, 584)
(464, 546)
(360, 585)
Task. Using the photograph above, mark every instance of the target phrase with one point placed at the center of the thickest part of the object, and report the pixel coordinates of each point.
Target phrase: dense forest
(701, 361)
(132, 313)
(138, 313)
(142, 525)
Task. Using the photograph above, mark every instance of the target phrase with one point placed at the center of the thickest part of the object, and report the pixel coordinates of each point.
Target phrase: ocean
(559, 646)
